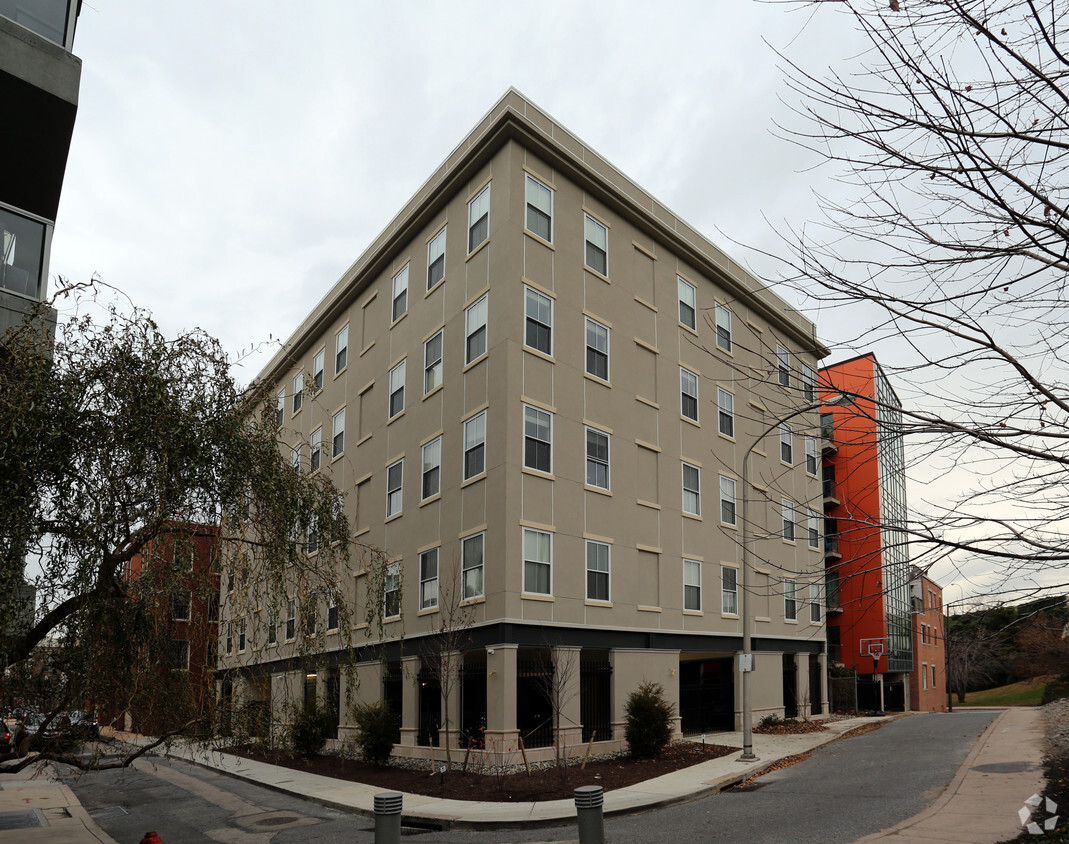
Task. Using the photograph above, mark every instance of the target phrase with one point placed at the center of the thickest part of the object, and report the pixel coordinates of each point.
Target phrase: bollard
(388, 818)
(588, 802)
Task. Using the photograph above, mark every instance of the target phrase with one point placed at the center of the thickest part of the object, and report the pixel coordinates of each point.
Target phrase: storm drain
(20, 819)
(108, 812)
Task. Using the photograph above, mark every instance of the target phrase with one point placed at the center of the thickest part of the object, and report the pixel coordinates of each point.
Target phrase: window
(597, 245)
(317, 369)
(727, 501)
(229, 637)
(432, 363)
(924, 676)
(313, 536)
(814, 603)
(394, 478)
(472, 566)
(790, 600)
(597, 458)
(428, 579)
(272, 627)
(298, 391)
(811, 455)
(436, 259)
(179, 655)
(539, 330)
(400, 294)
(537, 439)
(241, 636)
(280, 409)
(788, 519)
(692, 585)
(723, 328)
(475, 330)
(933, 676)
(479, 219)
(341, 349)
(537, 561)
(809, 384)
(397, 388)
(597, 571)
(597, 349)
(729, 590)
(432, 468)
(692, 493)
(291, 619)
(180, 606)
(392, 589)
(814, 529)
(725, 404)
(786, 444)
(338, 433)
(688, 394)
(539, 209)
(783, 366)
(295, 458)
(475, 446)
(316, 447)
(332, 612)
(688, 304)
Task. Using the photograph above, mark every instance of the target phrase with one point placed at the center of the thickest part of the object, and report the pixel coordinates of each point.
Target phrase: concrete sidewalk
(981, 803)
(35, 807)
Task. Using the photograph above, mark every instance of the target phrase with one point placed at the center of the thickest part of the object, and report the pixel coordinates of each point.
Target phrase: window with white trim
(475, 446)
(814, 529)
(295, 458)
(924, 676)
(229, 636)
(809, 384)
(786, 444)
(298, 391)
(933, 676)
(272, 626)
(280, 409)
(811, 456)
(537, 562)
(783, 366)
(432, 363)
(432, 468)
(723, 328)
(394, 487)
(291, 619)
(428, 579)
(241, 636)
(692, 490)
(400, 294)
(316, 447)
(725, 404)
(475, 330)
(688, 303)
(597, 245)
(597, 349)
(472, 565)
(318, 362)
(692, 585)
(337, 440)
(392, 591)
(341, 349)
(538, 331)
(332, 611)
(539, 209)
(729, 590)
(537, 439)
(397, 388)
(787, 508)
(597, 458)
(815, 601)
(597, 571)
(790, 600)
(436, 259)
(688, 393)
(728, 514)
(479, 219)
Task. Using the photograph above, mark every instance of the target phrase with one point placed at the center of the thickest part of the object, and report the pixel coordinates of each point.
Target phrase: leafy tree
(649, 720)
(113, 439)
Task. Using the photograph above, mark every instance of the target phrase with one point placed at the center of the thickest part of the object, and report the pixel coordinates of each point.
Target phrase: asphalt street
(846, 790)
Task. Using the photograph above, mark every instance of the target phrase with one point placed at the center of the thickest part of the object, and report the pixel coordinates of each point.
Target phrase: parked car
(82, 726)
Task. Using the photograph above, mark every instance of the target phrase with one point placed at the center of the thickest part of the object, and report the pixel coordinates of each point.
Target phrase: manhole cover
(20, 819)
(275, 821)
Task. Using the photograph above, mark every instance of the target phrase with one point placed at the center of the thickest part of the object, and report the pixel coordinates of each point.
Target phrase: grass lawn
(1024, 693)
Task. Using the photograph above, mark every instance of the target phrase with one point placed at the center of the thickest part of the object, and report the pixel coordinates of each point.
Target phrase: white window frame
(686, 376)
(812, 461)
(813, 529)
(695, 493)
(397, 389)
(816, 601)
(473, 573)
(229, 638)
(541, 191)
(432, 367)
(729, 597)
(537, 413)
(595, 328)
(692, 585)
(783, 366)
(272, 626)
(596, 572)
(543, 310)
(391, 585)
(788, 513)
(295, 457)
(924, 676)
(809, 384)
(337, 434)
(725, 412)
(688, 303)
(476, 319)
(432, 451)
(399, 301)
(341, 349)
(427, 600)
(436, 258)
(595, 227)
(291, 620)
(395, 494)
(790, 599)
(729, 496)
(474, 440)
(480, 206)
(786, 444)
(315, 450)
(544, 566)
(723, 328)
(242, 636)
(319, 363)
(298, 392)
(280, 409)
(594, 462)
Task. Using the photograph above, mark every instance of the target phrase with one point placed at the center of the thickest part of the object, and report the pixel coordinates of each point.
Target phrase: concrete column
(801, 671)
(369, 688)
(825, 691)
(501, 669)
(451, 727)
(633, 666)
(410, 700)
(566, 686)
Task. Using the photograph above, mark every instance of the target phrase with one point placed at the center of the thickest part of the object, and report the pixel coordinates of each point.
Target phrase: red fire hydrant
(151, 838)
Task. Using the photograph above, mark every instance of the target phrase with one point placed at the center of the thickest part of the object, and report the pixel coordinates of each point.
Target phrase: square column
(566, 690)
(801, 672)
(825, 692)
(410, 666)
(501, 731)
(449, 704)
(633, 666)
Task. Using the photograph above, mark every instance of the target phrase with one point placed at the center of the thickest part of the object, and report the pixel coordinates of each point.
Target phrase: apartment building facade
(536, 388)
(928, 680)
(866, 545)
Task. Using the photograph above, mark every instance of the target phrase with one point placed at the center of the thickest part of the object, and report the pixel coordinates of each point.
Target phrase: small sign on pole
(745, 662)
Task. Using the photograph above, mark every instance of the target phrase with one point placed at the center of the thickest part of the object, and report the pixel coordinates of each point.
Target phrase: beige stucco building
(536, 387)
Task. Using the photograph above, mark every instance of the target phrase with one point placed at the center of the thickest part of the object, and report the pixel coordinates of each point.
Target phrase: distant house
(928, 680)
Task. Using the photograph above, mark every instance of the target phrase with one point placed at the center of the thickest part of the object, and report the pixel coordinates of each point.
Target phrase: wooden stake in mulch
(586, 755)
(464, 767)
(523, 753)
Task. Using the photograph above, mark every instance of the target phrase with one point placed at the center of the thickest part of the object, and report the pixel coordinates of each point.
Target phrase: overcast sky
(230, 160)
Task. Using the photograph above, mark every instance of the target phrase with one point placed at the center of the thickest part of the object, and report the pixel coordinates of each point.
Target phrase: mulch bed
(543, 784)
(785, 728)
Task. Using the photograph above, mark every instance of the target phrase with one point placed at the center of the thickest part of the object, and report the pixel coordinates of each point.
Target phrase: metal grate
(20, 819)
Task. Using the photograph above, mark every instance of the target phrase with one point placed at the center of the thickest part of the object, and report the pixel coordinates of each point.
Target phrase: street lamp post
(746, 660)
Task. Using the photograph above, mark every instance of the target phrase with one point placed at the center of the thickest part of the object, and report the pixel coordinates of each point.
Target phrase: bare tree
(951, 135)
(559, 682)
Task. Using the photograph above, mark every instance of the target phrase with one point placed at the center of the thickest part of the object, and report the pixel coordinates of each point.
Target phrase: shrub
(1056, 689)
(308, 732)
(771, 720)
(378, 727)
(649, 720)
